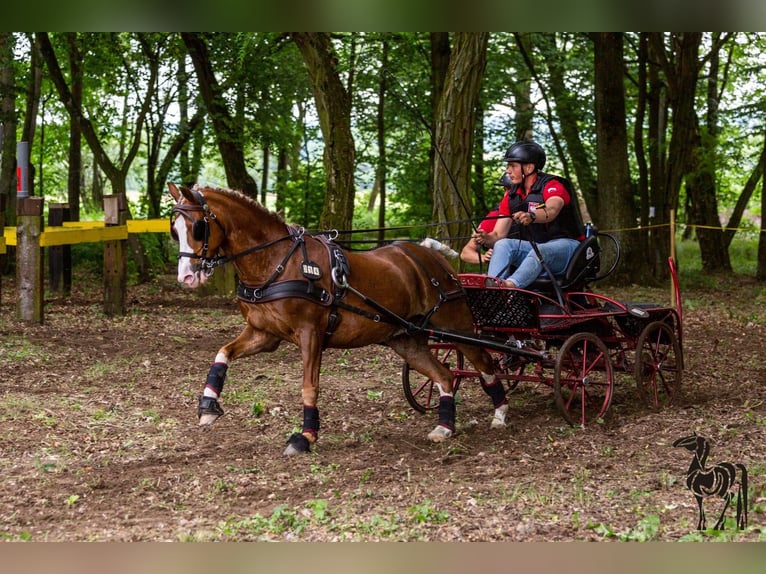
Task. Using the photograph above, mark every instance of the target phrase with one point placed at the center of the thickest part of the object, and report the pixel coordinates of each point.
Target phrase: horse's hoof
(498, 421)
(206, 421)
(208, 411)
(439, 434)
(297, 444)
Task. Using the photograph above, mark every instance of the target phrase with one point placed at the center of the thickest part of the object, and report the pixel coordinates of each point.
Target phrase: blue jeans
(518, 253)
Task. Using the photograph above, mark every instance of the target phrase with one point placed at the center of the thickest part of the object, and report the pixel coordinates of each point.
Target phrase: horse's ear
(174, 191)
(187, 193)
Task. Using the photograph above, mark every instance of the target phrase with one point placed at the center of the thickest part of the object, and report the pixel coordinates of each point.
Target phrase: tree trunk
(74, 169)
(481, 203)
(440, 57)
(681, 69)
(616, 206)
(453, 135)
(656, 209)
(32, 109)
(116, 174)
(283, 176)
(177, 147)
(266, 158)
(760, 272)
(333, 105)
(381, 168)
(642, 103)
(7, 130)
(701, 181)
(745, 196)
(681, 77)
(228, 133)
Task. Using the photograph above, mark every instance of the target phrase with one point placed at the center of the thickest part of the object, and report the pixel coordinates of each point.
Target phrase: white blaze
(186, 274)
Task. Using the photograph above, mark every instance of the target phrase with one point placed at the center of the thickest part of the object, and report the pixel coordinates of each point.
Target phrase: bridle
(200, 229)
(201, 232)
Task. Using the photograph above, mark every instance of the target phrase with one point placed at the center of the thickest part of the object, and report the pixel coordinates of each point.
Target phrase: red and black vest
(568, 223)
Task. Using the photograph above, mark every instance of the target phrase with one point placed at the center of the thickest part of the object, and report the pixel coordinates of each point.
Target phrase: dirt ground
(99, 437)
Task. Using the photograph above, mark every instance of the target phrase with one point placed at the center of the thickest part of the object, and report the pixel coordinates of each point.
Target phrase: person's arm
(502, 227)
(472, 253)
(545, 213)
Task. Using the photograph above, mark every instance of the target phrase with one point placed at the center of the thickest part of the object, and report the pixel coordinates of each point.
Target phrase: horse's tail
(742, 497)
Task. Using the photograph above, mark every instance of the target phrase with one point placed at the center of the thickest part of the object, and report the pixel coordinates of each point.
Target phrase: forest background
(399, 134)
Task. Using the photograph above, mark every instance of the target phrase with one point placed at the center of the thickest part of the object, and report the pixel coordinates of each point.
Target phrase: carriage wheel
(658, 365)
(511, 367)
(583, 381)
(422, 393)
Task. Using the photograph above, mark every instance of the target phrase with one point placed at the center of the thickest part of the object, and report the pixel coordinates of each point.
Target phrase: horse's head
(199, 240)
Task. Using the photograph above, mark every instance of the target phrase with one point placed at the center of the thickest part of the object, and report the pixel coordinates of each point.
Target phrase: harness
(273, 289)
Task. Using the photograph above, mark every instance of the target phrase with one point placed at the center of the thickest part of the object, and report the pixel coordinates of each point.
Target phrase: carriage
(562, 334)
(308, 290)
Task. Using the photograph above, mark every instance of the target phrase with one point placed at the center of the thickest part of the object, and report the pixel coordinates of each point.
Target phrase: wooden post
(59, 256)
(30, 282)
(115, 257)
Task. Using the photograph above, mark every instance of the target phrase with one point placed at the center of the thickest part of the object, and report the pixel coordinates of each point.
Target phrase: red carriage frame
(569, 338)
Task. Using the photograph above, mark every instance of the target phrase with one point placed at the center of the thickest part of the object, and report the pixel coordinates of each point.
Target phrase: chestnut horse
(307, 290)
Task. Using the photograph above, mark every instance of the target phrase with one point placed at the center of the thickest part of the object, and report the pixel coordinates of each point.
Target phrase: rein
(272, 289)
(208, 264)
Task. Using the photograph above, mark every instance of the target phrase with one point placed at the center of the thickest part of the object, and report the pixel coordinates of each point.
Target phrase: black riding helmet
(526, 152)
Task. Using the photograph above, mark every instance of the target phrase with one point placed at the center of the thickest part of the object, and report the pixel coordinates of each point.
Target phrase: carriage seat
(583, 267)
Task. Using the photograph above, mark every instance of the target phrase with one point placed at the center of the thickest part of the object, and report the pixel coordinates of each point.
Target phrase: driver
(548, 213)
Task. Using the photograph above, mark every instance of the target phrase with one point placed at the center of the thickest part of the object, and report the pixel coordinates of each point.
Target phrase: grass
(18, 349)
(743, 254)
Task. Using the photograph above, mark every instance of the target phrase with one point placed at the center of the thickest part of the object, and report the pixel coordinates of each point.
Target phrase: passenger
(548, 212)
(473, 251)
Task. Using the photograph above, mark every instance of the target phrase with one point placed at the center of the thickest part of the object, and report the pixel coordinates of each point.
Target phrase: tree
(454, 132)
(228, 130)
(74, 172)
(7, 129)
(333, 104)
(616, 209)
(681, 64)
(117, 174)
(564, 88)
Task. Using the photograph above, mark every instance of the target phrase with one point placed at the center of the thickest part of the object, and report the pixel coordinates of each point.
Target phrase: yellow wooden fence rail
(88, 231)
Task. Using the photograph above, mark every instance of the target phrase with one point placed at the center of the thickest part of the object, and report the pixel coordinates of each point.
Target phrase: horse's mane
(238, 195)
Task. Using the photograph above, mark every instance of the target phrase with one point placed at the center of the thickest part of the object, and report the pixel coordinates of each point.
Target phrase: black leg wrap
(208, 406)
(447, 412)
(299, 442)
(310, 419)
(216, 377)
(496, 392)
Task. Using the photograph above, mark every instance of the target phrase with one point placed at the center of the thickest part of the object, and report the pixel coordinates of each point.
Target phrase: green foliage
(742, 254)
(267, 91)
(646, 530)
(426, 512)
(304, 199)
(283, 521)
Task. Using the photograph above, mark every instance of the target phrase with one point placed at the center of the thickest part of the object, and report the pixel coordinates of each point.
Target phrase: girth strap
(283, 289)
